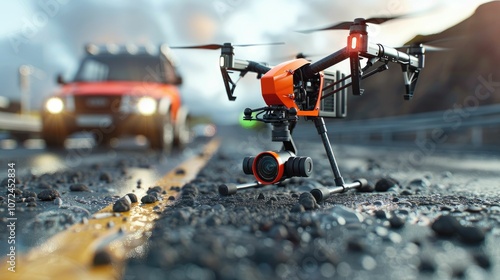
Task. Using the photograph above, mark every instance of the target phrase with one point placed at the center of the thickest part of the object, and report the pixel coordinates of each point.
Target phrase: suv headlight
(54, 105)
(147, 106)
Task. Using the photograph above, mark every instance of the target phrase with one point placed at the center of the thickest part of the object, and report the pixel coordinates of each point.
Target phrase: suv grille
(97, 104)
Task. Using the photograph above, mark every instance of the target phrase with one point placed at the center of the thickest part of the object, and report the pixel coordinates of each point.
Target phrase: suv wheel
(162, 137)
(54, 138)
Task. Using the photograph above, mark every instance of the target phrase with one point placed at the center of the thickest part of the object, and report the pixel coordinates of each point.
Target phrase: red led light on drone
(354, 42)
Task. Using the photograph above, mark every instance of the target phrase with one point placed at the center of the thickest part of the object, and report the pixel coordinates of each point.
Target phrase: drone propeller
(435, 39)
(429, 42)
(299, 55)
(302, 55)
(346, 25)
(435, 49)
(219, 46)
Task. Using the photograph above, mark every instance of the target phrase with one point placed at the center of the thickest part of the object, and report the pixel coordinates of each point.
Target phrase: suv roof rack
(96, 49)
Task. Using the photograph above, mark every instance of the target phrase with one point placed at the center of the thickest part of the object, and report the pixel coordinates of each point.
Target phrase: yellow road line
(70, 254)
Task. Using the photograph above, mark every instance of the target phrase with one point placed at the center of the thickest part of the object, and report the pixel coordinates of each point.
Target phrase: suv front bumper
(115, 124)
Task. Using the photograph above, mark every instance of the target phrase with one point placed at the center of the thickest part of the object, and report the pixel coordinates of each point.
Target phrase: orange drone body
(277, 86)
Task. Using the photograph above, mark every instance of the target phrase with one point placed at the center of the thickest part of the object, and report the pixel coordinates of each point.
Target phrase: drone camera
(272, 167)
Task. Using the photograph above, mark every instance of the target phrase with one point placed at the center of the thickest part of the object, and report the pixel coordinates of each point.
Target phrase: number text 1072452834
(11, 212)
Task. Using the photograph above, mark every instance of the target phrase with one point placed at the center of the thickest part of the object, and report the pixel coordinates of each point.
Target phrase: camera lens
(247, 165)
(267, 168)
(299, 166)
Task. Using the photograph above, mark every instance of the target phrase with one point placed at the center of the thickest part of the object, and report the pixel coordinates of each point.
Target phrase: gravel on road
(410, 225)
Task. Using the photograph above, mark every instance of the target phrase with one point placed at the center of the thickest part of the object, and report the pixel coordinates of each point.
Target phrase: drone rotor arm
(411, 63)
(312, 69)
(257, 68)
(248, 66)
(389, 54)
(243, 66)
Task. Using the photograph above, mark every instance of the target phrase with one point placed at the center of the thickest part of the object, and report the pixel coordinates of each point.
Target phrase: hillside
(449, 78)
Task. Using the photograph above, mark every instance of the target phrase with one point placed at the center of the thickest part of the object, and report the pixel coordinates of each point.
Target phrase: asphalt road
(278, 231)
(107, 173)
(438, 221)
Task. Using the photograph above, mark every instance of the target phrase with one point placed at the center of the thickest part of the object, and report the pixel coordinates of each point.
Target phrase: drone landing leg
(228, 189)
(321, 128)
(340, 186)
(323, 193)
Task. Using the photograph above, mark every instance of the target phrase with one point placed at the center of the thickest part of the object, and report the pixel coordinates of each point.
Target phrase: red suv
(119, 90)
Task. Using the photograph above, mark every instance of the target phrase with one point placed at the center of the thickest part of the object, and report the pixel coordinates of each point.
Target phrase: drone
(300, 88)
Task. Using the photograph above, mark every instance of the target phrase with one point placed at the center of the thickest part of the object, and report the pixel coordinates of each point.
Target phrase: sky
(50, 35)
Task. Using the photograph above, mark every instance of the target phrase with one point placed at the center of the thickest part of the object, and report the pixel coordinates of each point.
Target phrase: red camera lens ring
(281, 167)
(281, 158)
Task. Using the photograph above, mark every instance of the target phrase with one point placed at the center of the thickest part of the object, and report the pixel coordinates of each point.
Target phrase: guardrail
(474, 126)
(471, 123)
(19, 123)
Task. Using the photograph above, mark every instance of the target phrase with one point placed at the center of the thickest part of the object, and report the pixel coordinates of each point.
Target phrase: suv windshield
(121, 68)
